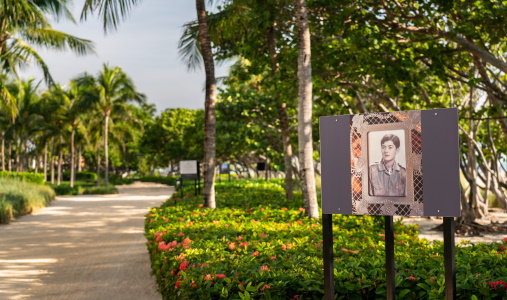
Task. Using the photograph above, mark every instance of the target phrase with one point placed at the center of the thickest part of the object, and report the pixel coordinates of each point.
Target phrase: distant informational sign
(261, 166)
(225, 168)
(394, 164)
(189, 169)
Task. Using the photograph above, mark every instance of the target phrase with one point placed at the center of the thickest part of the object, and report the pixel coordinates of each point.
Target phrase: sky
(145, 46)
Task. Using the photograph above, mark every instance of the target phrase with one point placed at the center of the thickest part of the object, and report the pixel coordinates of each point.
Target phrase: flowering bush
(256, 245)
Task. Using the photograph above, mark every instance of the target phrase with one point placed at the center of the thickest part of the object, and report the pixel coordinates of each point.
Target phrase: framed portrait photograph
(386, 172)
(387, 175)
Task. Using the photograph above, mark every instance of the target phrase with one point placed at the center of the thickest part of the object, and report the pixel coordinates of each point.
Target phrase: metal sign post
(390, 270)
(327, 233)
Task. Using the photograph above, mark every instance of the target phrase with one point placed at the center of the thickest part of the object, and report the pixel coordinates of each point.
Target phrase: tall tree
(110, 91)
(209, 106)
(305, 139)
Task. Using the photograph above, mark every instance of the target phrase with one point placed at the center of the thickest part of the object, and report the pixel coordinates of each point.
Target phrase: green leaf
(404, 292)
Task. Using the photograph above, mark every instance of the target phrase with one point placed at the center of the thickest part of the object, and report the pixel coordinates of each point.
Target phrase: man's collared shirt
(385, 183)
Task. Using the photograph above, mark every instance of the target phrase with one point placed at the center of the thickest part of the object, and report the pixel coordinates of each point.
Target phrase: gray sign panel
(418, 176)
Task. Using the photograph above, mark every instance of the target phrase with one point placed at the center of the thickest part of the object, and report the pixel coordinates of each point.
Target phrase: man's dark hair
(391, 137)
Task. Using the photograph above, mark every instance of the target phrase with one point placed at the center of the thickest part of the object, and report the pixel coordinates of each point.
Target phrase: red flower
(220, 276)
(263, 234)
(264, 268)
(181, 219)
(504, 240)
(232, 246)
(256, 253)
(502, 248)
(412, 278)
(193, 284)
(186, 241)
(184, 265)
(255, 221)
(208, 277)
(265, 287)
(249, 211)
(178, 284)
(495, 284)
(244, 244)
(181, 234)
(284, 208)
(273, 257)
(239, 238)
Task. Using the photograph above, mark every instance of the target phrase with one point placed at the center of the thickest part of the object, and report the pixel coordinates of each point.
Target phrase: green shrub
(169, 180)
(81, 175)
(258, 246)
(23, 176)
(20, 198)
(6, 211)
(65, 189)
(100, 190)
(118, 180)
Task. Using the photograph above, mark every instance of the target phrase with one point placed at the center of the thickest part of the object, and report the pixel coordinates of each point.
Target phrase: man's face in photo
(389, 151)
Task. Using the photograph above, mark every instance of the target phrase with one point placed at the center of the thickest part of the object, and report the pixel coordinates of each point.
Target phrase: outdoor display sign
(402, 163)
(394, 163)
(189, 169)
(261, 166)
(225, 168)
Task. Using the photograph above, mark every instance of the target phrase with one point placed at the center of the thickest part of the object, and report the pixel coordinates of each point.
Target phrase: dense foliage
(18, 198)
(23, 176)
(259, 246)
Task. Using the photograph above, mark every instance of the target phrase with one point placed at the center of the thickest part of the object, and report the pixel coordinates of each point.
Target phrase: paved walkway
(82, 247)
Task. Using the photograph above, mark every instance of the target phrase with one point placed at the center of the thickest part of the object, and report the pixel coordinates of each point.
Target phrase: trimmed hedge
(23, 176)
(82, 175)
(19, 198)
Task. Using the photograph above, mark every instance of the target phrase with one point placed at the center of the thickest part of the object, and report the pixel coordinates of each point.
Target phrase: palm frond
(58, 40)
(112, 12)
(189, 48)
(57, 8)
(21, 52)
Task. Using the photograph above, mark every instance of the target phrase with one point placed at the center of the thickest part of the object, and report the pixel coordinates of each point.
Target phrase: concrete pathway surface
(82, 247)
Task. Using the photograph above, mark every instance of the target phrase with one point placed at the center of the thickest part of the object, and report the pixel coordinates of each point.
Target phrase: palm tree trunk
(45, 162)
(305, 111)
(106, 152)
(60, 161)
(72, 159)
(3, 151)
(37, 163)
(52, 164)
(98, 165)
(79, 155)
(209, 108)
(9, 155)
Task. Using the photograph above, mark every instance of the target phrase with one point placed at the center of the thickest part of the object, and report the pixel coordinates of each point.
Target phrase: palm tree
(27, 119)
(69, 99)
(24, 24)
(109, 92)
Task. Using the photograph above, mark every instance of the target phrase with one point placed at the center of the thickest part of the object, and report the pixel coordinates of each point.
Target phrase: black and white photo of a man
(387, 177)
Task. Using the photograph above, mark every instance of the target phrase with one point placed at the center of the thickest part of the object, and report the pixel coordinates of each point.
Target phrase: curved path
(82, 247)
